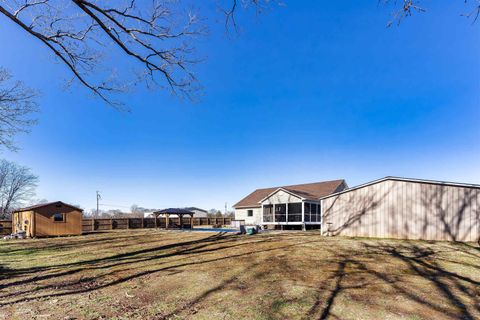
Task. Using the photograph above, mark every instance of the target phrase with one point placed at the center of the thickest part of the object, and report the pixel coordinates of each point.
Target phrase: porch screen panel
(295, 212)
(314, 213)
(307, 212)
(268, 213)
(280, 212)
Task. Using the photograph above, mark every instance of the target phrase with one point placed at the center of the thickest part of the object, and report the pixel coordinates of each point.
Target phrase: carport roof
(177, 211)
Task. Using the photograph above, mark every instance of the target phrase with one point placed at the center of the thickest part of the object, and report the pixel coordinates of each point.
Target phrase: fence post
(111, 224)
(223, 221)
(128, 223)
(143, 223)
(93, 224)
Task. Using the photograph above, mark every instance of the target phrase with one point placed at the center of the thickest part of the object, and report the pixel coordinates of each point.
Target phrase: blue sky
(310, 91)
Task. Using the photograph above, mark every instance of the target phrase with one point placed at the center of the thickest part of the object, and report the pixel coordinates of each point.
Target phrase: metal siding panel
(431, 222)
(399, 210)
(410, 210)
(388, 205)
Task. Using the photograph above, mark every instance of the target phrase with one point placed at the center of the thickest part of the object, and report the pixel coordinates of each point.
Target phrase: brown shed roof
(308, 190)
(41, 205)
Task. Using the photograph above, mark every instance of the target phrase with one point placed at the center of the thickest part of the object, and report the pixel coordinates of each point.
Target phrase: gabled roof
(41, 205)
(196, 209)
(312, 191)
(436, 182)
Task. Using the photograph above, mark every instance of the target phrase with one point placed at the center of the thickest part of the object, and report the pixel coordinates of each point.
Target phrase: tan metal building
(404, 208)
(48, 219)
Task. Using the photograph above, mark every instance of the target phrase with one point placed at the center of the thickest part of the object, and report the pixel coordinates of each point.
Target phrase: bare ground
(151, 274)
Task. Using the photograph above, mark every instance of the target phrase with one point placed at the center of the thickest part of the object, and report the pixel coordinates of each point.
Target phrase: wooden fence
(5, 227)
(102, 224)
(89, 225)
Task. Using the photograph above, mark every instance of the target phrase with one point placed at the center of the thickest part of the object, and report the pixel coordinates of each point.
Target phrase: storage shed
(404, 208)
(48, 219)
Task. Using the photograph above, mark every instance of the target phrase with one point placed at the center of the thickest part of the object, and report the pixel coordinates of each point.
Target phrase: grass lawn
(150, 274)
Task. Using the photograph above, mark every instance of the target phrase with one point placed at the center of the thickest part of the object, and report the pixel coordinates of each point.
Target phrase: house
(48, 219)
(295, 206)
(404, 208)
(199, 213)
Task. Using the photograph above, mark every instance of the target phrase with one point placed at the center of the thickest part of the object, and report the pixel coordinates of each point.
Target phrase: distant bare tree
(17, 105)
(134, 208)
(17, 186)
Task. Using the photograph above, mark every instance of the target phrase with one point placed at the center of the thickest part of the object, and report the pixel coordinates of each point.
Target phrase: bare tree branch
(157, 39)
(230, 10)
(409, 7)
(17, 105)
(155, 36)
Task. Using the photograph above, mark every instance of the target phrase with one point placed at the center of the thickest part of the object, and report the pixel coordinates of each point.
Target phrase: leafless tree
(156, 36)
(135, 209)
(17, 106)
(17, 186)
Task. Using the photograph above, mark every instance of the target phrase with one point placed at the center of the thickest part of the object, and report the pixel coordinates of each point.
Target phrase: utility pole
(98, 200)
(225, 209)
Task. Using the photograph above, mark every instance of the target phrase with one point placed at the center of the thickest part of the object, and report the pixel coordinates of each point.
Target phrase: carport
(174, 211)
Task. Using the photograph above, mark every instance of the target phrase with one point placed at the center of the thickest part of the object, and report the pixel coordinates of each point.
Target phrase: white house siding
(242, 214)
(405, 210)
(199, 213)
(281, 197)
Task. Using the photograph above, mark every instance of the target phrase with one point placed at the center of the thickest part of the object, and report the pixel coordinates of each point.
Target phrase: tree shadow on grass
(87, 284)
(454, 295)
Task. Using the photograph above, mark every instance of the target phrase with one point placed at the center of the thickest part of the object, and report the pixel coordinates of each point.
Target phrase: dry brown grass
(149, 274)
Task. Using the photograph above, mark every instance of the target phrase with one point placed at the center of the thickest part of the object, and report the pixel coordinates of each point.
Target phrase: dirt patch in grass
(151, 274)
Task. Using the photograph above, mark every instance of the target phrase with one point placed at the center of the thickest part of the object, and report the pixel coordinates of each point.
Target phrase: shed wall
(39, 222)
(23, 221)
(45, 226)
(405, 210)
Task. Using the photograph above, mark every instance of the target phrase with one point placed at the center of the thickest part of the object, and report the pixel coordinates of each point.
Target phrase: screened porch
(294, 213)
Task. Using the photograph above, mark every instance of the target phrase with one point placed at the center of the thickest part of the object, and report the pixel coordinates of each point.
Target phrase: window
(307, 212)
(58, 217)
(268, 213)
(295, 207)
(295, 212)
(313, 211)
(281, 212)
(307, 208)
(249, 213)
